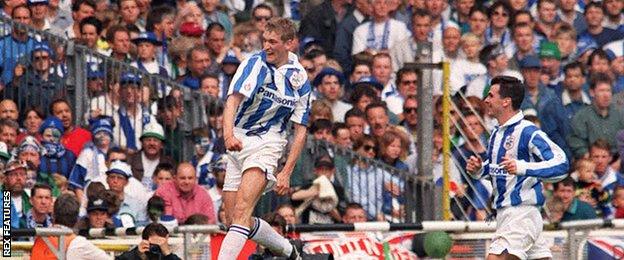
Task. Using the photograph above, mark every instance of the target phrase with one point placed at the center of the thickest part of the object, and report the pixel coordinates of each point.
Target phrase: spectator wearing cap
(322, 20)
(550, 58)
(344, 33)
(39, 10)
(229, 65)
(496, 62)
(91, 163)
(144, 162)
(569, 14)
(8, 132)
(572, 89)
(184, 196)
(97, 215)
(40, 213)
(381, 33)
(117, 178)
(329, 83)
(118, 38)
(74, 137)
(15, 177)
(36, 85)
(95, 80)
(103, 102)
(54, 157)
(601, 120)
(544, 101)
(169, 113)
(147, 45)
(320, 199)
(65, 215)
(212, 14)
(594, 16)
(18, 44)
(198, 62)
(131, 117)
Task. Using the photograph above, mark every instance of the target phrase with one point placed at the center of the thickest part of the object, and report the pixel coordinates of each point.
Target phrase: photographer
(153, 246)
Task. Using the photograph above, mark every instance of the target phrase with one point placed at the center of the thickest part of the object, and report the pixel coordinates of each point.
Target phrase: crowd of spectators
(123, 162)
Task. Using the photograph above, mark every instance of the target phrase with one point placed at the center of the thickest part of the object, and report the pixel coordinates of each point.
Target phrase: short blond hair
(283, 26)
(470, 37)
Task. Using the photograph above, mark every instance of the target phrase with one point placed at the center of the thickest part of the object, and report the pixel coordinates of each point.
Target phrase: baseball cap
(549, 50)
(121, 168)
(51, 122)
(130, 78)
(97, 204)
(328, 71)
(38, 2)
(147, 37)
(153, 129)
(530, 62)
(368, 81)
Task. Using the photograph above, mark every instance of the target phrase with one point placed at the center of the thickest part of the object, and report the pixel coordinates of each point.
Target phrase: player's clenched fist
(473, 165)
(233, 144)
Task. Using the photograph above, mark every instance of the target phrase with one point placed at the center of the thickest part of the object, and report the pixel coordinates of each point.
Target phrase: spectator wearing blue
(131, 116)
(15, 175)
(330, 85)
(16, 45)
(365, 182)
(36, 85)
(54, 157)
(146, 60)
(569, 14)
(614, 18)
(594, 16)
(39, 10)
(544, 100)
(91, 163)
(39, 214)
(198, 62)
(229, 64)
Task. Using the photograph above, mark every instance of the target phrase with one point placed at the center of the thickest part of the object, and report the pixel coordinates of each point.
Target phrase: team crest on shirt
(509, 142)
(297, 79)
(247, 86)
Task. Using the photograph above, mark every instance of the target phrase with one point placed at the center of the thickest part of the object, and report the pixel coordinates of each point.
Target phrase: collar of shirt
(566, 99)
(359, 17)
(572, 207)
(610, 176)
(609, 111)
(514, 119)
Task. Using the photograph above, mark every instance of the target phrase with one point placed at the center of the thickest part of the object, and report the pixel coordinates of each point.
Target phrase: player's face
(276, 49)
(493, 101)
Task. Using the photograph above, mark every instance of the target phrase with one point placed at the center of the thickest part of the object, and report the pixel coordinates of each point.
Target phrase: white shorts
(258, 152)
(519, 231)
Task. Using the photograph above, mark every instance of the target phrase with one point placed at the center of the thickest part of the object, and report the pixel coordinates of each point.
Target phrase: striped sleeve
(77, 177)
(302, 108)
(551, 164)
(248, 77)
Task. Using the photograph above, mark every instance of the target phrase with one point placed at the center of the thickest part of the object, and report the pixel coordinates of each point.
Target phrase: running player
(269, 90)
(520, 157)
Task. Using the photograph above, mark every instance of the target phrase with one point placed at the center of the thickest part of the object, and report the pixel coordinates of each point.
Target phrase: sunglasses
(405, 82)
(262, 18)
(368, 148)
(410, 109)
(310, 69)
(37, 58)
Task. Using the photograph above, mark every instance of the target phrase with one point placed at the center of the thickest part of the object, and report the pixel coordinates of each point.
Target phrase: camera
(155, 249)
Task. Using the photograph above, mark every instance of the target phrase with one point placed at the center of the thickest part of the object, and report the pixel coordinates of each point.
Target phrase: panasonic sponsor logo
(496, 170)
(277, 99)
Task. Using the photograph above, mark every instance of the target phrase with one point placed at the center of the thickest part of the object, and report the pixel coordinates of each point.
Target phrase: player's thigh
(251, 187)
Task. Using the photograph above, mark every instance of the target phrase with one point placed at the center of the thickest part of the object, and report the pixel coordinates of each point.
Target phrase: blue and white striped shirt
(274, 96)
(537, 159)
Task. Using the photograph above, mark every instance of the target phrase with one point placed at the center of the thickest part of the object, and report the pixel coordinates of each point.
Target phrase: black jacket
(135, 255)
